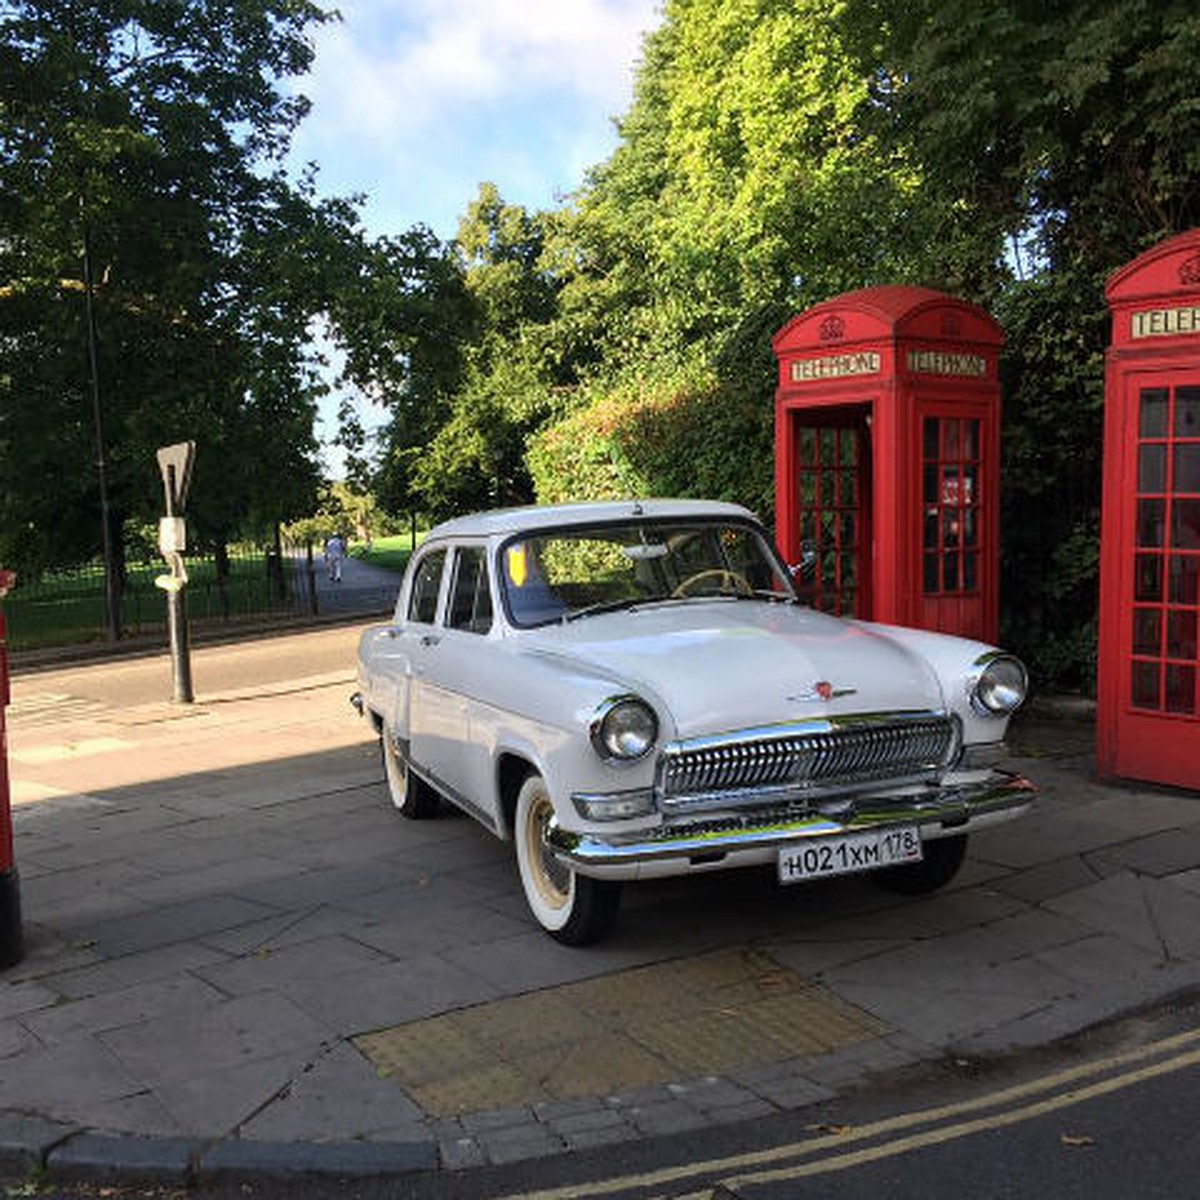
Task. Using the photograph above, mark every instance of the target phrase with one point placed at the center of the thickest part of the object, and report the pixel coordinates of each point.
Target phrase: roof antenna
(638, 511)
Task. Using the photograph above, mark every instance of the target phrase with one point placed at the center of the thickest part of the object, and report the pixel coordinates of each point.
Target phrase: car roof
(537, 517)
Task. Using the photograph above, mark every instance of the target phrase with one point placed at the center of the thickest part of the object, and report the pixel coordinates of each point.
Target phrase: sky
(416, 102)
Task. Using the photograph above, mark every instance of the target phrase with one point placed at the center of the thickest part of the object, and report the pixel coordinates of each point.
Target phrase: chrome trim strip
(952, 808)
(803, 728)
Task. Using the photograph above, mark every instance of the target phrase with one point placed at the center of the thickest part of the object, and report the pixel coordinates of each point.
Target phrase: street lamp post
(112, 589)
(11, 940)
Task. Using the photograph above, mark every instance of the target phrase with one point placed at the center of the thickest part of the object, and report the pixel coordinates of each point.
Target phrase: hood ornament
(821, 689)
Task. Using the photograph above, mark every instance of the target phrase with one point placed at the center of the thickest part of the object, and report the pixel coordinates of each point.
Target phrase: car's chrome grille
(815, 757)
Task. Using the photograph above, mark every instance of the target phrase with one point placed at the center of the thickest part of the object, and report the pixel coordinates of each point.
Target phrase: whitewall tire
(570, 907)
(413, 797)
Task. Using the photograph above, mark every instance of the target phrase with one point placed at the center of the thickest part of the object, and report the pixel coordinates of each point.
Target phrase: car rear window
(427, 581)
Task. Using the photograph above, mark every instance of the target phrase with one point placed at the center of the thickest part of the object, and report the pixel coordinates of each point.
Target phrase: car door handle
(430, 639)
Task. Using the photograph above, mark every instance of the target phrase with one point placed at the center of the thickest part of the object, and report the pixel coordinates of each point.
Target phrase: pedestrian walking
(335, 554)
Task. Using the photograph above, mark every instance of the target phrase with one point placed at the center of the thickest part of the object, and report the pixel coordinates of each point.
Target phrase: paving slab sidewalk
(236, 950)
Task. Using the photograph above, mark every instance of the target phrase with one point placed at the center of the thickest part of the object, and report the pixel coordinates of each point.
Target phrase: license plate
(818, 858)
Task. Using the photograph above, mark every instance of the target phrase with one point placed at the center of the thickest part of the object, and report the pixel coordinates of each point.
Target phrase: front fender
(956, 661)
(538, 712)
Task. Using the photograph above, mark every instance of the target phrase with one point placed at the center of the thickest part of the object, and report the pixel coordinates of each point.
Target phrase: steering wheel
(730, 581)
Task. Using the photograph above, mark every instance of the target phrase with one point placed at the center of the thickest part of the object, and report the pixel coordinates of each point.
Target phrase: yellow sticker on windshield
(518, 564)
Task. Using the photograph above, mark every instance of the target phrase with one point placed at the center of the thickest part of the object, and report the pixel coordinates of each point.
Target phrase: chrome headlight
(624, 728)
(1001, 687)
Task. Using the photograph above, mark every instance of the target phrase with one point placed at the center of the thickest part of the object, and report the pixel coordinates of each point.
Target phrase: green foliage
(466, 447)
(1074, 129)
(1053, 387)
(402, 315)
(684, 434)
(477, 459)
(776, 186)
(500, 246)
(342, 509)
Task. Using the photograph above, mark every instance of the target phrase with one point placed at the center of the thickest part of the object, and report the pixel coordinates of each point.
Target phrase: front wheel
(412, 796)
(570, 907)
(940, 864)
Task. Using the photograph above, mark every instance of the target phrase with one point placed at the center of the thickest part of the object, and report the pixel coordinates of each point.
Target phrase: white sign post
(175, 463)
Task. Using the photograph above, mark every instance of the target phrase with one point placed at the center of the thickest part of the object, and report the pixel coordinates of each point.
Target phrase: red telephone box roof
(1171, 267)
(890, 310)
(1155, 299)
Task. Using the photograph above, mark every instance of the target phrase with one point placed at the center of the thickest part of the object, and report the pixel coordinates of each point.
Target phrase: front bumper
(757, 837)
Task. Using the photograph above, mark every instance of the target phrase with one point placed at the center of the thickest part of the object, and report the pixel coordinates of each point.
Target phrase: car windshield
(560, 575)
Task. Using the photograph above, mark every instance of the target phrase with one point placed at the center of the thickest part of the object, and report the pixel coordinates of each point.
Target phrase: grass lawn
(391, 553)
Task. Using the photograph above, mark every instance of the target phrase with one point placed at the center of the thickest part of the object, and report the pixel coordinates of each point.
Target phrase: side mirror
(808, 560)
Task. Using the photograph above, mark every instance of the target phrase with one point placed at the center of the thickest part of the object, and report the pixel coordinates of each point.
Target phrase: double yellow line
(927, 1127)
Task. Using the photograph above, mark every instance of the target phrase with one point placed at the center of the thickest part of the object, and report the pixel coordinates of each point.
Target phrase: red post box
(887, 458)
(1148, 703)
(10, 895)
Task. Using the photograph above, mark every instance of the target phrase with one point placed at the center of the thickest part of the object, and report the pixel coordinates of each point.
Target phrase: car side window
(422, 600)
(470, 595)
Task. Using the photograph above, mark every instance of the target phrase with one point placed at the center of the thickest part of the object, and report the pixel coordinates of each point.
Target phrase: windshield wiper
(767, 594)
(738, 594)
(603, 606)
(628, 603)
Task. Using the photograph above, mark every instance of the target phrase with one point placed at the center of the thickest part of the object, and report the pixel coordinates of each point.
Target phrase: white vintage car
(632, 689)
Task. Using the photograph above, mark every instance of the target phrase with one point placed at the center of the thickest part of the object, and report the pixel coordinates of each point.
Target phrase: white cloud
(416, 102)
(419, 56)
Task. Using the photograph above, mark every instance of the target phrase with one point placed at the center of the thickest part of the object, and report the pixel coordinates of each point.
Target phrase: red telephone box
(887, 458)
(1148, 702)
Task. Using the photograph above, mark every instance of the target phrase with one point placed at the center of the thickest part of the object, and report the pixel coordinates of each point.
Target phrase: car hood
(718, 665)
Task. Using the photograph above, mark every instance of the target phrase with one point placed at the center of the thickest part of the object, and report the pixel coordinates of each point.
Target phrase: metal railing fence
(66, 606)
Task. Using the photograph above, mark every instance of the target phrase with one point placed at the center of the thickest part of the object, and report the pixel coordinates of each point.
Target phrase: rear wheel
(940, 864)
(570, 907)
(412, 796)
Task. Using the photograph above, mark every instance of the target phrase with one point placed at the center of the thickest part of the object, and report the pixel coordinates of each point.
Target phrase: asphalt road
(268, 661)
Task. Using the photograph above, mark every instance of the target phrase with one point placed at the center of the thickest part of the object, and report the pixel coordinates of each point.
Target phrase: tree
(748, 177)
(468, 386)
(1055, 145)
(139, 148)
(403, 318)
(1071, 129)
